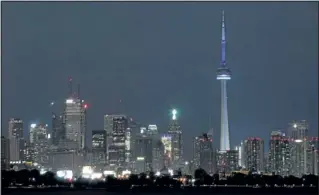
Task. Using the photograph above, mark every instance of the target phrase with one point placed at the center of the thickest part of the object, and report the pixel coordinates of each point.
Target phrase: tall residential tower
(224, 74)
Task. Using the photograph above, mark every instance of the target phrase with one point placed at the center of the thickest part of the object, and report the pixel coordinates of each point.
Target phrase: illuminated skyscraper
(167, 142)
(224, 74)
(39, 143)
(58, 132)
(98, 147)
(16, 139)
(117, 128)
(279, 154)
(74, 119)
(254, 154)
(298, 133)
(203, 153)
(174, 130)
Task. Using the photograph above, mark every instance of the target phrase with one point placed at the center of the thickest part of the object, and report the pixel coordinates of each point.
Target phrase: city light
(174, 113)
(295, 125)
(87, 170)
(33, 125)
(69, 101)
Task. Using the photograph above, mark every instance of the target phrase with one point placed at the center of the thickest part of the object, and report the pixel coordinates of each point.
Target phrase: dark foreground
(192, 190)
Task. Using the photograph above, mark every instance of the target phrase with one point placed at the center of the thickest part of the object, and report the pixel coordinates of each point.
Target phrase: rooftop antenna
(79, 91)
(70, 86)
(223, 41)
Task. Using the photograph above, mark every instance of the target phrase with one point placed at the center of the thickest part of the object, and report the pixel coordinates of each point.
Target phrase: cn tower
(224, 74)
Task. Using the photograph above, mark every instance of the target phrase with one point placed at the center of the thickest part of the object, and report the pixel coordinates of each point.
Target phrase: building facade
(279, 154)
(175, 132)
(5, 153)
(98, 148)
(254, 154)
(16, 139)
(203, 153)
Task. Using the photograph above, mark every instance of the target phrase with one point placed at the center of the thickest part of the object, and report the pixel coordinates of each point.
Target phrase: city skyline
(155, 62)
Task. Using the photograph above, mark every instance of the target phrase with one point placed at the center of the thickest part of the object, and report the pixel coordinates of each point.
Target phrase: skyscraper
(279, 154)
(39, 143)
(203, 154)
(74, 119)
(16, 139)
(298, 134)
(116, 127)
(254, 154)
(174, 130)
(58, 132)
(98, 147)
(224, 74)
(5, 153)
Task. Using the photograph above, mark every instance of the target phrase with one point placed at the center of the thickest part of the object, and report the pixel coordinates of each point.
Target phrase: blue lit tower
(224, 74)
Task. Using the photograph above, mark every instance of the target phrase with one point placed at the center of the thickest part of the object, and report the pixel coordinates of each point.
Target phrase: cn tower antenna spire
(223, 41)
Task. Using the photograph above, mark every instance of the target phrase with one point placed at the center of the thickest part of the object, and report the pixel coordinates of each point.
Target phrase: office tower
(167, 142)
(58, 131)
(144, 149)
(279, 154)
(16, 139)
(98, 148)
(39, 143)
(5, 153)
(116, 127)
(152, 130)
(158, 155)
(298, 132)
(174, 130)
(241, 155)
(74, 120)
(203, 154)
(224, 74)
(227, 161)
(313, 156)
(254, 154)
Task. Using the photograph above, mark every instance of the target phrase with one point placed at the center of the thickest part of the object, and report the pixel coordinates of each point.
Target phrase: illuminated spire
(223, 41)
(174, 112)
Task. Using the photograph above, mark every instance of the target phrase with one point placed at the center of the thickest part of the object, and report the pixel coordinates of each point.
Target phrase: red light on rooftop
(85, 106)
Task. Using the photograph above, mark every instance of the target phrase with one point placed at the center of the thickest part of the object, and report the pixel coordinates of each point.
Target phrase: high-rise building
(279, 153)
(5, 153)
(298, 134)
(75, 124)
(39, 142)
(144, 148)
(175, 132)
(224, 74)
(227, 161)
(74, 120)
(158, 155)
(116, 127)
(98, 148)
(58, 129)
(16, 139)
(203, 153)
(313, 156)
(167, 142)
(254, 154)
(241, 155)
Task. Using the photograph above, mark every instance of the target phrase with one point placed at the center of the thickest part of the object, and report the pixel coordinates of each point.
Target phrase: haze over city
(144, 59)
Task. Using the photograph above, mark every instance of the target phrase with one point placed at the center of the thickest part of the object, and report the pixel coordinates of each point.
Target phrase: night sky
(156, 56)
